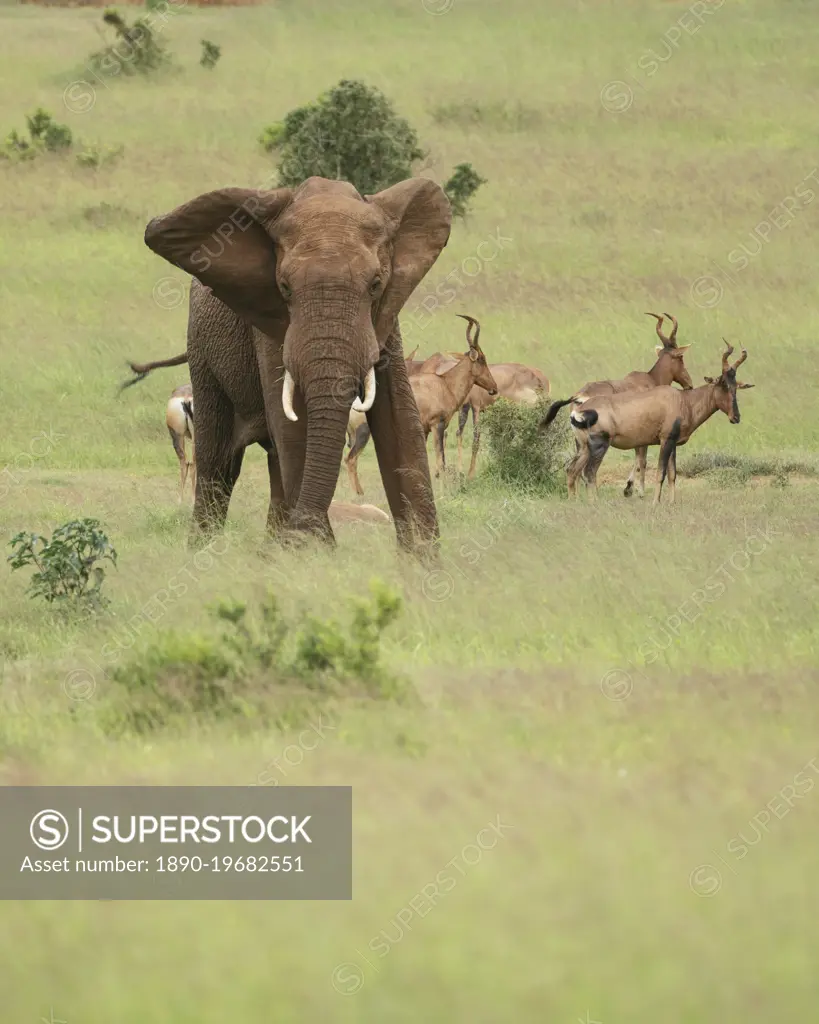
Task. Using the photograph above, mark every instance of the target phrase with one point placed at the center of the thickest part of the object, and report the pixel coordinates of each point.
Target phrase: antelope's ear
(743, 386)
(710, 380)
(659, 349)
(473, 354)
(682, 348)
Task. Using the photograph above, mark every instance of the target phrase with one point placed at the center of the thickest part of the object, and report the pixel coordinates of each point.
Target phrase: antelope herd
(632, 413)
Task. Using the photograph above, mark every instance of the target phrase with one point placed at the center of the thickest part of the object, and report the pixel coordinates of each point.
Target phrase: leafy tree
(352, 133)
(136, 50)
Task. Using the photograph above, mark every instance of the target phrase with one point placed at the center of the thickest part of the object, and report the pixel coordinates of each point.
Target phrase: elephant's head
(326, 271)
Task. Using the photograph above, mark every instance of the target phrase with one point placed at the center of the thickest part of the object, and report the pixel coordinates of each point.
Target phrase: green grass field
(628, 690)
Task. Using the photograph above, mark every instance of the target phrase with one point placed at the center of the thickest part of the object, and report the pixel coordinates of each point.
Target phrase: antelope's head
(726, 385)
(481, 373)
(671, 351)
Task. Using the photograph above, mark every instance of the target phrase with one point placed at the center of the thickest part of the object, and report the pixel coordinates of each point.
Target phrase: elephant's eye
(375, 287)
(286, 290)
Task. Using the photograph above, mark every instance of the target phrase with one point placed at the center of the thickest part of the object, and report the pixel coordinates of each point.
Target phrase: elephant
(293, 320)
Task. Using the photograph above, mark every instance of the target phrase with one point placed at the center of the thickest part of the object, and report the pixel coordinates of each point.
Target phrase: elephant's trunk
(328, 398)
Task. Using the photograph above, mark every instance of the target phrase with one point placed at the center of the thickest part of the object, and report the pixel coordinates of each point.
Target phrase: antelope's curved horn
(672, 338)
(741, 359)
(472, 323)
(729, 351)
(660, 334)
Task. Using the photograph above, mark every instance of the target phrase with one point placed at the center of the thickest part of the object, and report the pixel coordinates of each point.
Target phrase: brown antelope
(179, 420)
(662, 415)
(668, 369)
(441, 393)
(346, 512)
(516, 382)
(432, 399)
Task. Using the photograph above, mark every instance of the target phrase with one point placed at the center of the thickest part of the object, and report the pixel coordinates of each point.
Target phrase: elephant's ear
(225, 239)
(421, 218)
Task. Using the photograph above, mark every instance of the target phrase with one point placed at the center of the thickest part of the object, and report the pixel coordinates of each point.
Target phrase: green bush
(44, 129)
(519, 454)
(135, 50)
(210, 54)
(230, 673)
(460, 188)
(352, 133)
(67, 569)
(94, 157)
(44, 135)
(179, 674)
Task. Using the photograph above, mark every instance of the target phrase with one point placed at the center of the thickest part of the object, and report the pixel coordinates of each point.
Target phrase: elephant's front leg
(286, 457)
(278, 511)
(400, 447)
(218, 462)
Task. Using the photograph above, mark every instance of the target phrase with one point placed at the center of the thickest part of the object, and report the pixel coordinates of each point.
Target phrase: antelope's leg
(576, 467)
(642, 458)
(362, 436)
(438, 441)
(476, 440)
(463, 416)
(179, 447)
(630, 482)
(598, 446)
(672, 476)
(662, 468)
(191, 473)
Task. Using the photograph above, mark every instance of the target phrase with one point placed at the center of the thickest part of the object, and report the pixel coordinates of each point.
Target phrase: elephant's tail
(143, 369)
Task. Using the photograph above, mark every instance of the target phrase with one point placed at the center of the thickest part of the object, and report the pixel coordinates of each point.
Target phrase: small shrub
(519, 454)
(460, 188)
(94, 157)
(352, 133)
(136, 50)
(210, 54)
(219, 675)
(67, 568)
(179, 674)
(44, 129)
(45, 135)
(323, 648)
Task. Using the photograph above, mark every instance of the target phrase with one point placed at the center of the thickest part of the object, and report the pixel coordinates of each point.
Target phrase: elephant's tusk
(287, 396)
(369, 393)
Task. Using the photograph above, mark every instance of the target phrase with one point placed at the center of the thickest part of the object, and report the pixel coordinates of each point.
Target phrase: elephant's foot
(202, 534)
(303, 527)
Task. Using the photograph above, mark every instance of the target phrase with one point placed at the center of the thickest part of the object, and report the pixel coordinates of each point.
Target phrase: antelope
(440, 394)
(516, 382)
(179, 420)
(668, 369)
(345, 512)
(662, 415)
(433, 399)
